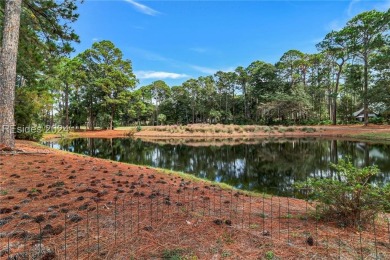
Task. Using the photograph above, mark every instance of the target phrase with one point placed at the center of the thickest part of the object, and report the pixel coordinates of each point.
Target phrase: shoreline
(46, 186)
(371, 133)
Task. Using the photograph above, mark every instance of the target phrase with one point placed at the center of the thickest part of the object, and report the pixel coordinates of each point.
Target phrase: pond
(263, 165)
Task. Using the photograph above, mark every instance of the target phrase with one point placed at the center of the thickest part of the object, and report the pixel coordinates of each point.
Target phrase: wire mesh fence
(132, 223)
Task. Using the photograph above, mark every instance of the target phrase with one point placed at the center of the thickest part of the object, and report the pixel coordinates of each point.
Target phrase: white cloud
(159, 75)
(143, 8)
(210, 71)
(95, 39)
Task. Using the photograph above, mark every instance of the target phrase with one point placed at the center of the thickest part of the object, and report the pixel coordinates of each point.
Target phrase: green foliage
(31, 135)
(27, 107)
(97, 85)
(104, 120)
(269, 255)
(45, 34)
(308, 129)
(215, 116)
(349, 197)
(29, 104)
(108, 81)
(174, 254)
(325, 122)
(161, 118)
(377, 120)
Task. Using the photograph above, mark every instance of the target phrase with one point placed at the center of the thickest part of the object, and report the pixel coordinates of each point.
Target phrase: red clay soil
(58, 205)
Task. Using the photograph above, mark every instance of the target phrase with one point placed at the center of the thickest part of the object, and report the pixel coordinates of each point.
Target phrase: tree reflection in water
(265, 165)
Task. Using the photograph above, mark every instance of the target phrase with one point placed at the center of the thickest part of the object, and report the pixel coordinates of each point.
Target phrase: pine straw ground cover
(57, 205)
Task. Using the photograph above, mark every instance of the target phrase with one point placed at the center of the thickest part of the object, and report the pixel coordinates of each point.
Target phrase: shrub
(176, 253)
(376, 120)
(161, 118)
(269, 255)
(250, 128)
(350, 198)
(325, 122)
(189, 129)
(130, 133)
(139, 128)
(30, 135)
(308, 129)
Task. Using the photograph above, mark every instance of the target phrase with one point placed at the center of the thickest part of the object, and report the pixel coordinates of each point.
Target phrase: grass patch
(269, 255)
(290, 129)
(177, 254)
(221, 185)
(172, 253)
(372, 136)
(253, 226)
(308, 129)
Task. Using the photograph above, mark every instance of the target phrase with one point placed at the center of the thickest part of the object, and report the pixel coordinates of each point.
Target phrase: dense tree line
(350, 71)
(97, 88)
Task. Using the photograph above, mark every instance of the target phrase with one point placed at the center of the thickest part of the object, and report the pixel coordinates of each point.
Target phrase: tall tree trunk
(8, 58)
(336, 90)
(66, 105)
(365, 90)
(112, 118)
(226, 108)
(245, 101)
(329, 101)
(91, 119)
(52, 117)
(233, 106)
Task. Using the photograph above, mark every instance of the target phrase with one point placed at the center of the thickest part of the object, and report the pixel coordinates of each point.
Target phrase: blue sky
(176, 40)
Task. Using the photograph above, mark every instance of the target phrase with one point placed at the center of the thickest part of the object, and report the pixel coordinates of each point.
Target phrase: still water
(269, 165)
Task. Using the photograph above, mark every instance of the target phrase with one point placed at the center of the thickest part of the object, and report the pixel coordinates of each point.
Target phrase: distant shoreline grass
(372, 136)
(372, 133)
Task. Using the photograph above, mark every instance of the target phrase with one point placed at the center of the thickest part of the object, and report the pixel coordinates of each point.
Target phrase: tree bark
(66, 105)
(365, 90)
(112, 118)
(334, 111)
(8, 58)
